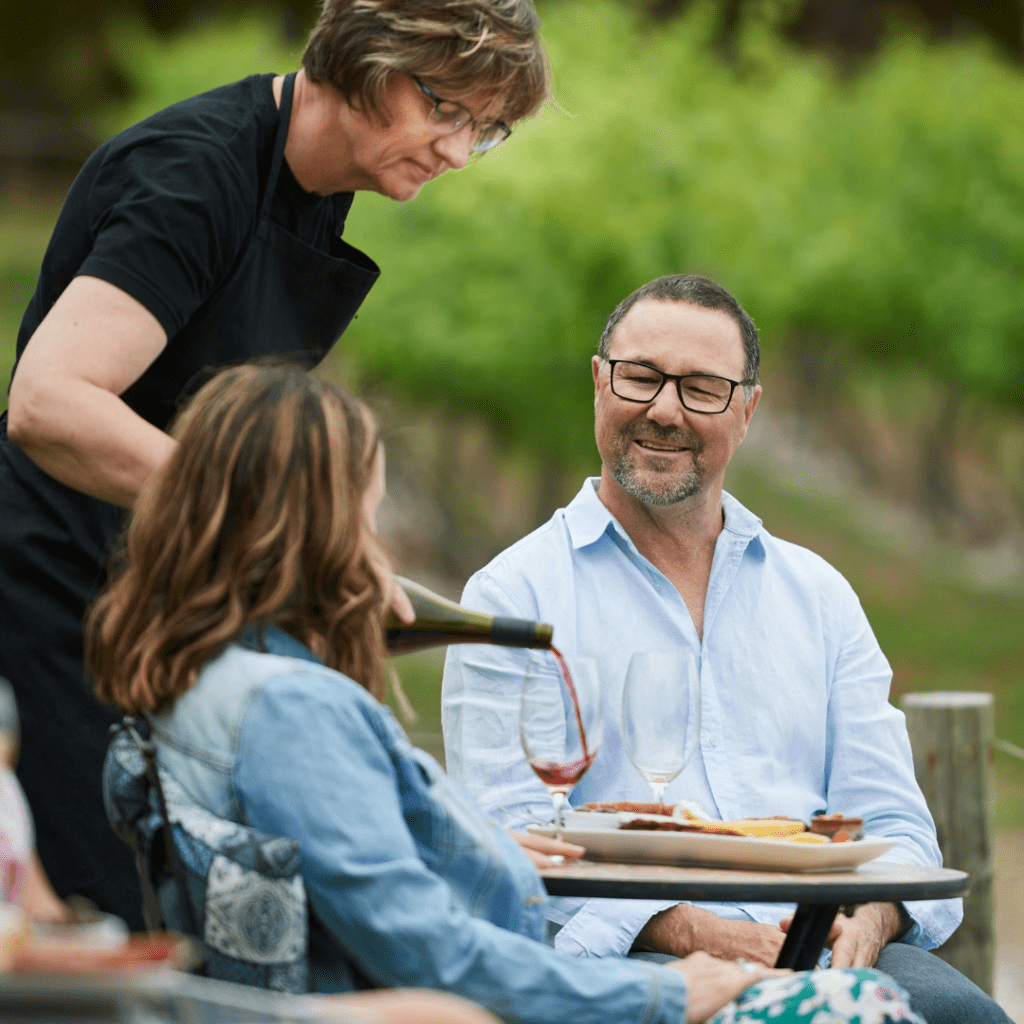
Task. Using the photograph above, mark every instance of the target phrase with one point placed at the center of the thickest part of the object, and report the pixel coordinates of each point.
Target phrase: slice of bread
(631, 807)
(757, 827)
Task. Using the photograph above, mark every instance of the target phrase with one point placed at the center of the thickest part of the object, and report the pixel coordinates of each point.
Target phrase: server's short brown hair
(457, 48)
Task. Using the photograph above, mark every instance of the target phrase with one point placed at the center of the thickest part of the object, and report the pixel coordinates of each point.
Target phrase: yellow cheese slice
(765, 826)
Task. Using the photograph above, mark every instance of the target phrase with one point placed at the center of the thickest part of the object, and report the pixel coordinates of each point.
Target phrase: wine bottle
(439, 621)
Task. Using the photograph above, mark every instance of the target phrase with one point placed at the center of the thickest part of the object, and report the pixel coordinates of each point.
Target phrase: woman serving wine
(206, 235)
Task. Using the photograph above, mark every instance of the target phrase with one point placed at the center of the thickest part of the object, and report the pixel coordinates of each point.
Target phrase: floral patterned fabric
(852, 996)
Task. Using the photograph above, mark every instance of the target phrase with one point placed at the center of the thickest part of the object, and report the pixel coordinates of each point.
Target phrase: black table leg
(806, 936)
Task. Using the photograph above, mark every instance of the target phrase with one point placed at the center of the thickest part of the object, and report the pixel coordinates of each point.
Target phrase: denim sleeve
(606, 927)
(312, 766)
(871, 767)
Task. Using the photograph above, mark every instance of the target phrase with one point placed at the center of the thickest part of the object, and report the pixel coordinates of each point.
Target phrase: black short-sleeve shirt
(165, 209)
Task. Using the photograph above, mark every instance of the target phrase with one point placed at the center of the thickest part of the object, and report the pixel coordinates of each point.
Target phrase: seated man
(653, 555)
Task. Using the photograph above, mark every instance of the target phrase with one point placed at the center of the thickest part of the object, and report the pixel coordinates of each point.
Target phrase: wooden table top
(870, 882)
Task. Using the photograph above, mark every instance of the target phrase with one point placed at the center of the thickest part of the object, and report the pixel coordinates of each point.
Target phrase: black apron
(283, 298)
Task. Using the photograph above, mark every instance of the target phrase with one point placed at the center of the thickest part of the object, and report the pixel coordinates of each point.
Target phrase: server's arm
(64, 410)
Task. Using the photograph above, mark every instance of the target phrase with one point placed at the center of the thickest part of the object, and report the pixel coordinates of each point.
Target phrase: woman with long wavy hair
(245, 620)
(262, 518)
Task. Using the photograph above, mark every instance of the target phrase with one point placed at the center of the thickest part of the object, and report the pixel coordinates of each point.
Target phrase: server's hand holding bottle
(440, 621)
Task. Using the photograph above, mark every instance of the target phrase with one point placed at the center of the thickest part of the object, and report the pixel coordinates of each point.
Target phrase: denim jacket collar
(269, 639)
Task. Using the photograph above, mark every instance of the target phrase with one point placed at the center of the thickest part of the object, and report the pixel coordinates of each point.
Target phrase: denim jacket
(409, 883)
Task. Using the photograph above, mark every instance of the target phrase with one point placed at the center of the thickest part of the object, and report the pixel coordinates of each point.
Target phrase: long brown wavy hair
(256, 518)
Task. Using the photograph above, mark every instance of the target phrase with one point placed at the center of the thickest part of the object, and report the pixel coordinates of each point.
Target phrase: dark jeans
(938, 992)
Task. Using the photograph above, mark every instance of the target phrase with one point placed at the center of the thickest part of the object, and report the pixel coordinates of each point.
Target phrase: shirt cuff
(607, 927)
(934, 922)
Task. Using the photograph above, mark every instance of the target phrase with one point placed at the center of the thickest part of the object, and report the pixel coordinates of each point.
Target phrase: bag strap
(150, 905)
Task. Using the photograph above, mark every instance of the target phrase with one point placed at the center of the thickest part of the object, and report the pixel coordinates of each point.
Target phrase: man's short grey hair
(696, 291)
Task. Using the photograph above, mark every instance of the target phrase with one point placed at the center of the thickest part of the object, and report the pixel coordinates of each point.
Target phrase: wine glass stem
(558, 802)
(659, 791)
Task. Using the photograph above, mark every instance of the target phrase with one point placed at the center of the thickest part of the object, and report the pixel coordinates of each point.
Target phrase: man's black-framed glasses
(450, 116)
(698, 392)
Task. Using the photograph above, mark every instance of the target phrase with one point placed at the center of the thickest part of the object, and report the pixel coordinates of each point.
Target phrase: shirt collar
(587, 518)
(739, 519)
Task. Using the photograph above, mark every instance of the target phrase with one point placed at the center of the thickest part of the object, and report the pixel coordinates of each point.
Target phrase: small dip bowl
(837, 827)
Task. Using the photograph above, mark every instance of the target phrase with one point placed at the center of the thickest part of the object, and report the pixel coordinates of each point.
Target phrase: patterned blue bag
(238, 891)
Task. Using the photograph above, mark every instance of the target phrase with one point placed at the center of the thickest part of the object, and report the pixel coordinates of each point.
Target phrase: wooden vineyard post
(951, 735)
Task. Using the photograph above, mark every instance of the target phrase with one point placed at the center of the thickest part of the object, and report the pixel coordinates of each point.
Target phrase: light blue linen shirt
(794, 687)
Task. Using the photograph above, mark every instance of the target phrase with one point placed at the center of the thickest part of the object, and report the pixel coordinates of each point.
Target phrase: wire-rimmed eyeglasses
(449, 116)
(698, 392)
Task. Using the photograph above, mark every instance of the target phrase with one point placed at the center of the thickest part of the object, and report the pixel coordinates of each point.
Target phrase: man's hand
(713, 982)
(684, 929)
(540, 849)
(856, 941)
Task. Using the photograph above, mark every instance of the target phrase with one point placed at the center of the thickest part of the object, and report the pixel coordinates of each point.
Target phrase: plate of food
(645, 834)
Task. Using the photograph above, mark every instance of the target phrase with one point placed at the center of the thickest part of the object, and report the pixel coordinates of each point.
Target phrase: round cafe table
(819, 895)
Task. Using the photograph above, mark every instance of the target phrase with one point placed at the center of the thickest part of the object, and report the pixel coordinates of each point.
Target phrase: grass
(25, 228)
(420, 675)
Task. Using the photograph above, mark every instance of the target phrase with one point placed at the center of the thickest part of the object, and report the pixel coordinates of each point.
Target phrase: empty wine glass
(661, 715)
(560, 722)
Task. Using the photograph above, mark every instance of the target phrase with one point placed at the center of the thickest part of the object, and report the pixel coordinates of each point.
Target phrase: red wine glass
(560, 722)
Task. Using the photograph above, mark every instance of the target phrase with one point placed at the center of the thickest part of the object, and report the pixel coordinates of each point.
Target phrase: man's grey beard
(664, 490)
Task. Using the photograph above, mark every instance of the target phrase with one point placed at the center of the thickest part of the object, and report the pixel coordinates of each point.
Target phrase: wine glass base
(558, 802)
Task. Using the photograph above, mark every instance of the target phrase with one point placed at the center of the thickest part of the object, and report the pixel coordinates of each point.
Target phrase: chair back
(236, 890)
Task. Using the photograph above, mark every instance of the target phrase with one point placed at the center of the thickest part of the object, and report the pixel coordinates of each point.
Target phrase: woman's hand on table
(714, 982)
(541, 850)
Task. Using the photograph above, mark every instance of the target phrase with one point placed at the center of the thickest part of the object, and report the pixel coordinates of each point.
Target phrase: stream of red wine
(565, 775)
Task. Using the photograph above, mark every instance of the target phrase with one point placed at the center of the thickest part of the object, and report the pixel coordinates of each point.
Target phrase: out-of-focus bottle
(16, 839)
(440, 621)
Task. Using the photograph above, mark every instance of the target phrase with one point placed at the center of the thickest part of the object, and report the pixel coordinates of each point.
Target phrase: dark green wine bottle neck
(439, 621)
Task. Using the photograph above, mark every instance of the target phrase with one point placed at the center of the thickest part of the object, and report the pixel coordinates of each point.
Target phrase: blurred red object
(138, 953)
